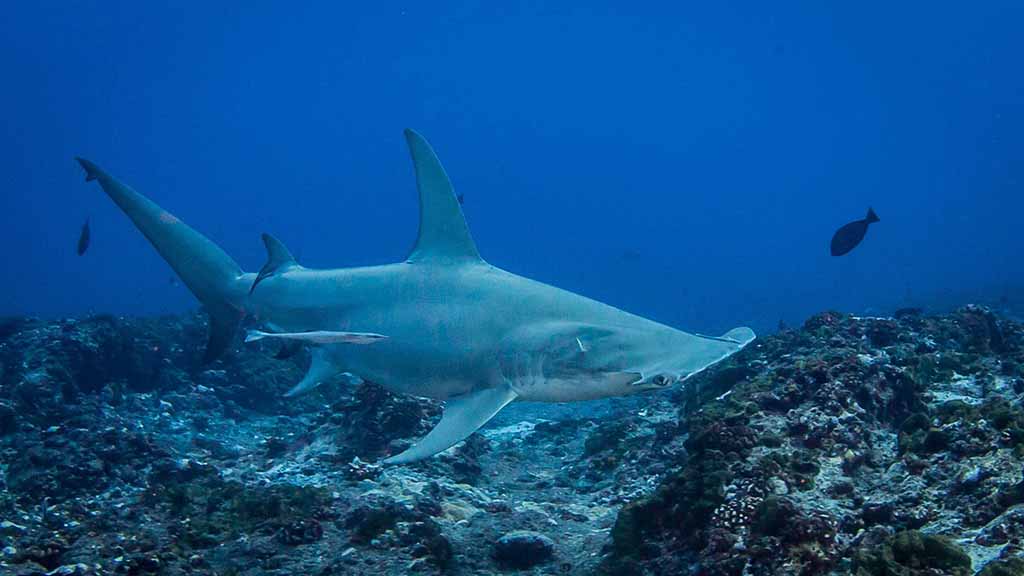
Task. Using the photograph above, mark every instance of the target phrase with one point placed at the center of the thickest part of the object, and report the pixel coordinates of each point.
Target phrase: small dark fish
(462, 199)
(83, 238)
(849, 236)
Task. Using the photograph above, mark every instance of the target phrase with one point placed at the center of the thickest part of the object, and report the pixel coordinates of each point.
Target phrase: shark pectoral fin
(320, 369)
(279, 259)
(463, 415)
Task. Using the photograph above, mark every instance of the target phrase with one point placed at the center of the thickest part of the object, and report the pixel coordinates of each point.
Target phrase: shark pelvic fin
(463, 415)
(320, 369)
(444, 236)
(279, 260)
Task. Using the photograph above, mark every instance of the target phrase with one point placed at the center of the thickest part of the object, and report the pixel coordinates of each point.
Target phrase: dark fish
(461, 198)
(83, 238)
(849, 236)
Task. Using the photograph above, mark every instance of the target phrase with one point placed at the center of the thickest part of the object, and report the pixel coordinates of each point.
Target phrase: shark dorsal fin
(444, 236)
(279, 259)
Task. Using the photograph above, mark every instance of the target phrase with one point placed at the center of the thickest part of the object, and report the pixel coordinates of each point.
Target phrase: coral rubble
(868, 446)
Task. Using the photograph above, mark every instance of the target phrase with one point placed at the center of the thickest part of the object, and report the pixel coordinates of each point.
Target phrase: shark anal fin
(279, 259)
(320, 369)
(444, 236)
(463, 415)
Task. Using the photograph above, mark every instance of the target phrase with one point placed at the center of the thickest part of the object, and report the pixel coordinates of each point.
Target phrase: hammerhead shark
(443, 324)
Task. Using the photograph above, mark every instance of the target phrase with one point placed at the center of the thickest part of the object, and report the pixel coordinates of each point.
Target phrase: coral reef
(855, 444)
(864, 446)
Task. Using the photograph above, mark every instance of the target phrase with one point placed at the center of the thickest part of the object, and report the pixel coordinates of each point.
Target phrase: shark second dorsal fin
(444, 236)
(279, 259)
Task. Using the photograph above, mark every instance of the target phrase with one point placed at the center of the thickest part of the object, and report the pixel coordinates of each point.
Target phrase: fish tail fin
(872, 217)
(254, 335)
(211, 275)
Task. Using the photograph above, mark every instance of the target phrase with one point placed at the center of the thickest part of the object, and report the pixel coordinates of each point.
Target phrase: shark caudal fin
(207, 270)
(444, 236)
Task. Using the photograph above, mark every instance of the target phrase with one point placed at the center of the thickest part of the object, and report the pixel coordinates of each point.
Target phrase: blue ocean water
(687, 163)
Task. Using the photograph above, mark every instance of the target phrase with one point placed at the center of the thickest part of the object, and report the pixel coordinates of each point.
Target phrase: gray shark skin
(457, 328)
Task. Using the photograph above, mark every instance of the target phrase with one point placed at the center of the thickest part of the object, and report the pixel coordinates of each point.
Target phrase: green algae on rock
(912, 553)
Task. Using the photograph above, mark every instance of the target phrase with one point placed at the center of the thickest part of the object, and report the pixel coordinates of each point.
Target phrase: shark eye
(660, 380)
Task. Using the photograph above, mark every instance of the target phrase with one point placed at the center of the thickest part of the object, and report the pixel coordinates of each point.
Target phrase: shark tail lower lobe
(211, 275)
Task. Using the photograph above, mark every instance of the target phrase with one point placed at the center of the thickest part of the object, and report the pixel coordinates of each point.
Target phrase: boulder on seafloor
(522, 549)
